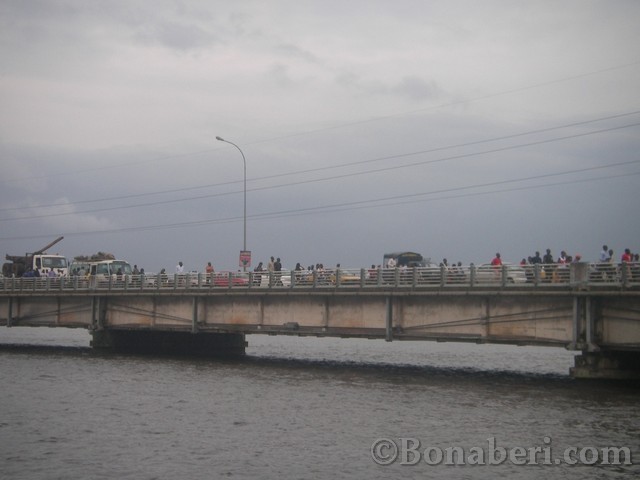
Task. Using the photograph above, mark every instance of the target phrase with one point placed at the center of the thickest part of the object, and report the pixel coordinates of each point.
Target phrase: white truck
(38, 261)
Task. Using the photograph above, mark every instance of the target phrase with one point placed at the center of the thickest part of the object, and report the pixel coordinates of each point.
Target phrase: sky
(456, 129)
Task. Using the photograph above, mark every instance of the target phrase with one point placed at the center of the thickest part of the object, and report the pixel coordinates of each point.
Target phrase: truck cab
(45, 263)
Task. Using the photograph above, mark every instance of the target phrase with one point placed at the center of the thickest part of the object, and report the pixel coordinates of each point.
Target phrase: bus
(103, 271)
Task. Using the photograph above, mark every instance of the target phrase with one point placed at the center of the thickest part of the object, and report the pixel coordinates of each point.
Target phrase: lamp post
(244, 161)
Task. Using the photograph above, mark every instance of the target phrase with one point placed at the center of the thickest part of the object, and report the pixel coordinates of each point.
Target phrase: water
(298, 408)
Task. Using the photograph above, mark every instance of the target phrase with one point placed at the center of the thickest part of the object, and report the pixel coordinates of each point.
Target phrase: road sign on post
(245, 258)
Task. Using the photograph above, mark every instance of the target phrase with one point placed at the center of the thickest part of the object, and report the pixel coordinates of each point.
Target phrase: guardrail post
(363, 277)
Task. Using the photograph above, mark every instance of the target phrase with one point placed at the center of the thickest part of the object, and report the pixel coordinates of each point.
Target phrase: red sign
(245, 258)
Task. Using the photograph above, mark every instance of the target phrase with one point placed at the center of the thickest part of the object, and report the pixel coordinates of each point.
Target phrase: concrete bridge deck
(601, 319)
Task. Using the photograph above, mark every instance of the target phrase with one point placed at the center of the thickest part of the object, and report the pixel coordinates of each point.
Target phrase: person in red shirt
(625, 267)
(497, 261)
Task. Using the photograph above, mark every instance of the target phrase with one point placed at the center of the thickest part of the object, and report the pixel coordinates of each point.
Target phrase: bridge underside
(605, 327)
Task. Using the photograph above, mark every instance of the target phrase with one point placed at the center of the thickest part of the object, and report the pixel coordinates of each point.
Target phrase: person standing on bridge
(257, 276)
(277, 269)
(180, 268)
(496, 263)
(208, 272)
(549, 266)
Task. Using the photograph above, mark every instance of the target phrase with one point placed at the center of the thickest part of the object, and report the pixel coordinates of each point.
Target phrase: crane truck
(39, 260)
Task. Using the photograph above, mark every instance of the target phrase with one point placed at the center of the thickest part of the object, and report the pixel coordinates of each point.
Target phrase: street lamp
(244, 161)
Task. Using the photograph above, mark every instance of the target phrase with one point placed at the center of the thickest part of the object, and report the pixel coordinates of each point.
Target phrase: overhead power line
(335, 177)
(361, 204)
(331, 167)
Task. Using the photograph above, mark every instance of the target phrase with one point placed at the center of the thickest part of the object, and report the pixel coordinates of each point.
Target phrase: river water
(307, 408)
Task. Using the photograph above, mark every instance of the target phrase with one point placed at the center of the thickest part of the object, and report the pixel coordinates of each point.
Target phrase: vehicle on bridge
(406, 259)
(507, 272)
(230, 279)
(40, 260)
(345, 277)
(106, 271)
(405, 262)
(79, 268)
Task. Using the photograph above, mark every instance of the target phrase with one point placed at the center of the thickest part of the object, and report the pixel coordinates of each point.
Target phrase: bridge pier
(612, 365)
(219, 345)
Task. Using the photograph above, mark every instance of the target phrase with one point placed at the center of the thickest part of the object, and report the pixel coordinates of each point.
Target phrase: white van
(108, 270)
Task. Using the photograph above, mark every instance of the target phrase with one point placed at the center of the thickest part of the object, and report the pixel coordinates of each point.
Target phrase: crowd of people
(606, 268)
(607, 265)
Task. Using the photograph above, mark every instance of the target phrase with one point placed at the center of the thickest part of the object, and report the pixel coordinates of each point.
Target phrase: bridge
(579, 307)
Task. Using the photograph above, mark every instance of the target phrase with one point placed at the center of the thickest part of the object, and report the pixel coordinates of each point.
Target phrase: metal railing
(505, 276)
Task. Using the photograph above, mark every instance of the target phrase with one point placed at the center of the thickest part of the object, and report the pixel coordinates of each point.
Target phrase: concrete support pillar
(10, 313)
(607, 365)
(165, 342)
(389, 319)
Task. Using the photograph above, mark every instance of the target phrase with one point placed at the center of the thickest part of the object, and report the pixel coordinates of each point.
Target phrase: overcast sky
(457, 129)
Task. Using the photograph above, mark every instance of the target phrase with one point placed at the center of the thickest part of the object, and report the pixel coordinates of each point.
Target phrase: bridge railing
(504, 276)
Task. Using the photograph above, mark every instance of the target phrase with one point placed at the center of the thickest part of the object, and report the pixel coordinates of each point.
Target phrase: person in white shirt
(604, 254)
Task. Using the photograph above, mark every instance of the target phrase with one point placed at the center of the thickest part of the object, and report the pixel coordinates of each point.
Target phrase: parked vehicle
(106, 271)
(230, 279)
(408, 259)
(79, 268)
(488, 273)
(40, 260)
(346, 277)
